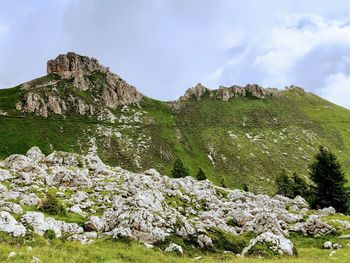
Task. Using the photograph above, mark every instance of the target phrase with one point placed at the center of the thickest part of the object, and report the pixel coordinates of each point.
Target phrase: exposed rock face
(71, 65)
(227, 93)
(74, 74)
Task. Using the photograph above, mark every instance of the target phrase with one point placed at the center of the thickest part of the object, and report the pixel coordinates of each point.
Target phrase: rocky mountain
(148, 207)
(237, 135)
(75, 85)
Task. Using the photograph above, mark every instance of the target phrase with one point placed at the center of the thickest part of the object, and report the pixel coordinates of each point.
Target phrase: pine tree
(329, 179)
(201, 175)
(179, 170)
(300, 187)
(283, 184)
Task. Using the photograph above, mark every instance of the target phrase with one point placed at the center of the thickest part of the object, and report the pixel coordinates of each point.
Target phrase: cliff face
(227, 93)
(76, 85)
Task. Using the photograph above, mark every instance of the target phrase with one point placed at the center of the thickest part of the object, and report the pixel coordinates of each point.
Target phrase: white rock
(277, 243)
(174, 248)
(9, 225)
(327, 245)
(35, 154)
(4, 175)
(35, 260)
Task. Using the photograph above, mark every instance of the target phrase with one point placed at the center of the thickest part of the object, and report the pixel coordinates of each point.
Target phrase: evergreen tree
(245, 188)
(284, 184)
(201, 175)
(179, 170)
(300, 187)
(329, 179)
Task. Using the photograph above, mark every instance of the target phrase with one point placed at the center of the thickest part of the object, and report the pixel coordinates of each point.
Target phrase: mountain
(237, 135)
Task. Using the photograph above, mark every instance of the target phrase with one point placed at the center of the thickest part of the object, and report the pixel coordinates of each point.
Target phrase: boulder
(10, 225)
(327, 245)
(174, 248)
(278, 244)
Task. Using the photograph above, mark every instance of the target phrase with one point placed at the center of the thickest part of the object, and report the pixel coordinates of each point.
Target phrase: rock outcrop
(76, 85)
(146, 207)
(227, 93)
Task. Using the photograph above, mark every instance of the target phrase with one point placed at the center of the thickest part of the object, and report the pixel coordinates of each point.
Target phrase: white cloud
(337, 89)
(303, 49)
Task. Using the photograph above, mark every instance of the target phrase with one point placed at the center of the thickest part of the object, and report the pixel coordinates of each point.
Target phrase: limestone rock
(10, 225)
(43, 98)
(327, 245)
(174, 248)
(278, 244)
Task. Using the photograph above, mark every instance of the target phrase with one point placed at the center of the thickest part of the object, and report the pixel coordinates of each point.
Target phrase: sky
(164, 47)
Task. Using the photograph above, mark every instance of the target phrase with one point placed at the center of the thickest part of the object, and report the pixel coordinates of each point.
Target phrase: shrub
(201, 175)
(50, 234)
(52, 205)
(179, 170)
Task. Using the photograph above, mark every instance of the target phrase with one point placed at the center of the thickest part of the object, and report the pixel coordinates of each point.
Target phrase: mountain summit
(75, 84)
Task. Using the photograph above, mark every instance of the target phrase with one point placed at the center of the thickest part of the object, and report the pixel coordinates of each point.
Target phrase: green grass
(57, 251)
(292, 126)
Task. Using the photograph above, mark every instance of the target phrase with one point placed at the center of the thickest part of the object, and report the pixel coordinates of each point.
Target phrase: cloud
(164, 47)
(337, 89)
(302, 49)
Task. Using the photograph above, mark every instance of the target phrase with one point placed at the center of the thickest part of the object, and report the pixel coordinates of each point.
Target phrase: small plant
(201, 175)
(50, 234)
(52, 205)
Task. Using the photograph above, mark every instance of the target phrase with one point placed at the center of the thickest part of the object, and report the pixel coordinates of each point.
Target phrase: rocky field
(66, 197)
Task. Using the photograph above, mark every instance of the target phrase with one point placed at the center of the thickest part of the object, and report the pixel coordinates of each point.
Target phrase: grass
(285, 137)
(57, 251)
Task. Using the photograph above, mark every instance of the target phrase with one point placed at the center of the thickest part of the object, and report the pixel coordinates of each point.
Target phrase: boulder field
(147, 207)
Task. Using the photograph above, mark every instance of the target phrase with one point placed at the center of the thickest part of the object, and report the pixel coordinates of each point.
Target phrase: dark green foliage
(245, 188)
(329, 179)
(201, 175)
(262, 250)
(300, 187)
(225, 241)
(284, 184)
(231, 222)
(50, 234)
(179, 170)
(52, 205)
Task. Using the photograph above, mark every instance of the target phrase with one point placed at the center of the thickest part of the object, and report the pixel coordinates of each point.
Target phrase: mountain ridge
(238, 135)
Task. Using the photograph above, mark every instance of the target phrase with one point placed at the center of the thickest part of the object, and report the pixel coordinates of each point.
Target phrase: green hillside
(241, 141)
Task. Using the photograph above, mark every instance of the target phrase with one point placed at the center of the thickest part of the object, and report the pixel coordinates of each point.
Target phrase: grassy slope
(288, 130)
(58, 251)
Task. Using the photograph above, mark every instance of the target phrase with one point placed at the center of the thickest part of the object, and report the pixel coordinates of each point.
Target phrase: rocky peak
(60, 91)
(71, 64)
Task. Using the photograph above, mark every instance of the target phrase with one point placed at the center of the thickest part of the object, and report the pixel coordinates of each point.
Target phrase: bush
(50, 234)
(179, 170)
(201, 175)
(226, 241)
(52, 205)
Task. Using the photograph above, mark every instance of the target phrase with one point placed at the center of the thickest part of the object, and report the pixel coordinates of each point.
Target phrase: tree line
(327, 186)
